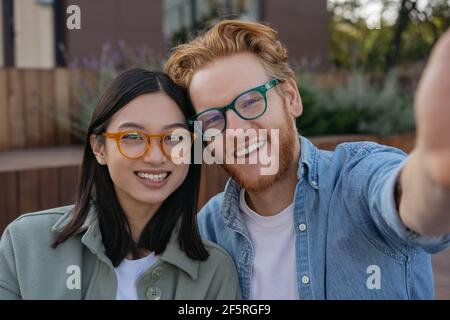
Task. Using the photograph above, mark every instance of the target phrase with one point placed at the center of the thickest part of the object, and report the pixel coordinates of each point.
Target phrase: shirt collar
(308, 162)
(65, 219)
(175, 256)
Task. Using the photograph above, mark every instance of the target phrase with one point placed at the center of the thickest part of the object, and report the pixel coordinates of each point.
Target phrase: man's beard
(286, 158)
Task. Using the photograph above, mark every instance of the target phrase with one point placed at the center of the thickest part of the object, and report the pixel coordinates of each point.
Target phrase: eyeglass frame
(262, 89)
(118, 135)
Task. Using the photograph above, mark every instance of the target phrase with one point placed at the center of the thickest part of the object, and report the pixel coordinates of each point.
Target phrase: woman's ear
(98, 148)
(292, 98)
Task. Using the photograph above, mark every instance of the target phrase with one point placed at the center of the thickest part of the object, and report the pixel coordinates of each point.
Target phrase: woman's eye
(174, 138)
(133, 137)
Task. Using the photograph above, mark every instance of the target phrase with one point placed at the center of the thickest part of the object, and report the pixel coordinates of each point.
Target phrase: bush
(96, 72)
(357, 107)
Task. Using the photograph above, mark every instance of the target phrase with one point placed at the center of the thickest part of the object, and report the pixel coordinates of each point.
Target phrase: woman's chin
(151, 199)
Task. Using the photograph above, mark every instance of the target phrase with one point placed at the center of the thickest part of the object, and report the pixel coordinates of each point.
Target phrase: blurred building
(33, 33)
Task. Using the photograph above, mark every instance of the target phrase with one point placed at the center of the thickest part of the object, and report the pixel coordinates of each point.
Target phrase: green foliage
(353, 44)
(357, 107)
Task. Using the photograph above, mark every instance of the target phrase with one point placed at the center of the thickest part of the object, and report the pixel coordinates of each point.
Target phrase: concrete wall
(303, 26)
(137, 22)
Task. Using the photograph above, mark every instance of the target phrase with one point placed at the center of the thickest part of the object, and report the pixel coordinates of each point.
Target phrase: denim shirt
(350, 242)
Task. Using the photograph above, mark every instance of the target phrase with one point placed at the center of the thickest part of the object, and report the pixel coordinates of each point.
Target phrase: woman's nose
(154, 154)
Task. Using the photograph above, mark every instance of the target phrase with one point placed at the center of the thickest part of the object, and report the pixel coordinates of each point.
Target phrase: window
(182, 17)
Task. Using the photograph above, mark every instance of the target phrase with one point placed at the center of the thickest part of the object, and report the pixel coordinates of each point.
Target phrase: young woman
(132, 232)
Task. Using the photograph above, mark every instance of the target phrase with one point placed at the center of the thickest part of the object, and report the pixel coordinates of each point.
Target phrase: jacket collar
(307, 168)
(178, 258)
(92, 239)
(65, 219)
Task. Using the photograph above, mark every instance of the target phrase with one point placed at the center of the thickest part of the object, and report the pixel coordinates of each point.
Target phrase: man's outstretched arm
(424, 184)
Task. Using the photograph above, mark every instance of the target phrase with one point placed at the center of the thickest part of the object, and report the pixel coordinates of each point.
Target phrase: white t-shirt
(128, 273)
(274, 268)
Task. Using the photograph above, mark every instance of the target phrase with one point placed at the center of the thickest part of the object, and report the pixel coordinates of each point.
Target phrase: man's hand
(432, 103)
(425, 179)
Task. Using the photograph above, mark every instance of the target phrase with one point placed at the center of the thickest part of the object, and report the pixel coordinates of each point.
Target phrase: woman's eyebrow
(132, 125)
(175, 125)
(140, 127)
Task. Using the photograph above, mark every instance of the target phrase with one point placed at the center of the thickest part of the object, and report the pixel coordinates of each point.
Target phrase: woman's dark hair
(181, 205)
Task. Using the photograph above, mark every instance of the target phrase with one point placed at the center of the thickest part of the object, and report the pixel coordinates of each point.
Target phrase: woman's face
(150, 179)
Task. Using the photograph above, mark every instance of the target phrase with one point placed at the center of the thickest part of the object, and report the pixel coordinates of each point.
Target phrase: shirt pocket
(362, 265)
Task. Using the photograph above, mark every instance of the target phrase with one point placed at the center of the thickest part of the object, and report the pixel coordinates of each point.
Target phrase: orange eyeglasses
(134, 144)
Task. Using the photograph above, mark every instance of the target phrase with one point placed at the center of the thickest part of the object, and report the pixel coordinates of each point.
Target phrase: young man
(356, 223)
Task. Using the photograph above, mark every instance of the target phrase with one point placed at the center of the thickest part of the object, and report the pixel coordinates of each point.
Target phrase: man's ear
(98, 147)
(292, 98)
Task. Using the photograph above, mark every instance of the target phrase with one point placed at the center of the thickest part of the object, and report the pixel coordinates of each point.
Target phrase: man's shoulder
(354, 152)
(364, 148)
(213, 206)
(210, 219)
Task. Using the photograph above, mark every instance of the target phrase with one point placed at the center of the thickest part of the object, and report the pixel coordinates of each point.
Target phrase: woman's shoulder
(217, 254)
(39, 221)
(223, 279)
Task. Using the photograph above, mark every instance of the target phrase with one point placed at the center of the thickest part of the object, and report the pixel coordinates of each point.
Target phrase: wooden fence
(32, 180)
(36, 107)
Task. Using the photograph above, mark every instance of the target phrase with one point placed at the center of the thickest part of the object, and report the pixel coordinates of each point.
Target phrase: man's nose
(234, 121)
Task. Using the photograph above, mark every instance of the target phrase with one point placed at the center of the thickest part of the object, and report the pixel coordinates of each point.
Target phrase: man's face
(218, 84)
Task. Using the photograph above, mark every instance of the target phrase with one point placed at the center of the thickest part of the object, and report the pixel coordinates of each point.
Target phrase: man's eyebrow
(232, 100)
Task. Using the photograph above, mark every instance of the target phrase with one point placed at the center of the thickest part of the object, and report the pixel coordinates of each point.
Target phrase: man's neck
(274, 199)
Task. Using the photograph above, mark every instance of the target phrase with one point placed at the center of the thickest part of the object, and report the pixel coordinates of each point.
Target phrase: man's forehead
(222, 80)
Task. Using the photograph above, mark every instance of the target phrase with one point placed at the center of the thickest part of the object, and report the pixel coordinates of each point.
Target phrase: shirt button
(305, 279)
(314, 183)
(154, 293)
(157, 273)
(302, 227)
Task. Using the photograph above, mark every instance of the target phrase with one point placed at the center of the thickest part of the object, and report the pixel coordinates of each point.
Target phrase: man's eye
(213, 120)
(250, 102)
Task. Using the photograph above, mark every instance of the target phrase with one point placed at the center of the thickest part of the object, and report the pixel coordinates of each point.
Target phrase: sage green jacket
(79, 268)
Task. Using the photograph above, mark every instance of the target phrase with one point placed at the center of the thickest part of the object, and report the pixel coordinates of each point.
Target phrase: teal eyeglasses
(249, 105)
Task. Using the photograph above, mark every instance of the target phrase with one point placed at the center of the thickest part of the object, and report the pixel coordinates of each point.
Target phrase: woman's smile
(153, 178)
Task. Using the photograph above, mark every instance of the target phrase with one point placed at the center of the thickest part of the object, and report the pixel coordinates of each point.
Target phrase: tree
(406, 7)
(407, 31)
